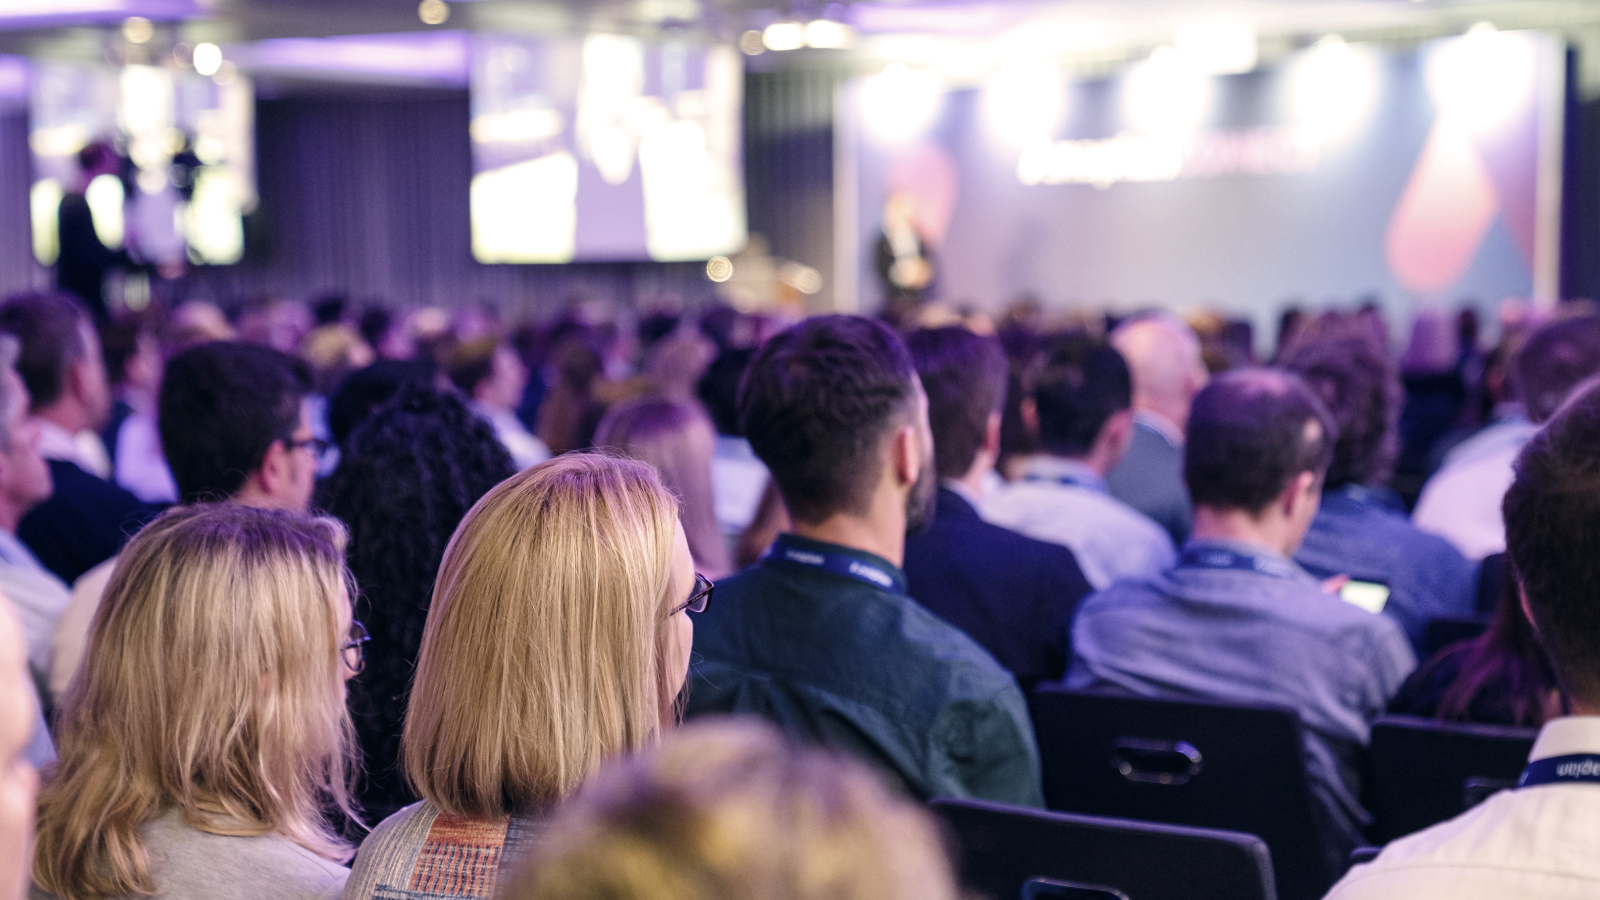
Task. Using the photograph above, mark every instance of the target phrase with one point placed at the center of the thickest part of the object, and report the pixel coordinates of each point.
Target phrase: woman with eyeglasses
(204, 744)
(558, 638)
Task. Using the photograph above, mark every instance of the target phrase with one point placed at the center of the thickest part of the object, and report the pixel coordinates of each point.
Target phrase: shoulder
(191, 857)
(390, 852)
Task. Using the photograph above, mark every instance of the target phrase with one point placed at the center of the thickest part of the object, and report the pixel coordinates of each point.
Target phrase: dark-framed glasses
(355, 649)
(317, 447)
(699, 597)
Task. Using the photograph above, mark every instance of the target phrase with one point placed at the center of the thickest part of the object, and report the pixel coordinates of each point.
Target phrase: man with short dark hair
(1012, 594)
(1461, 502)
(1537, 840)
(1237, 620)
(88, 517)
(1080, 410)
(1356, 531)
(493, 378)
(235, 428)
(820, 636)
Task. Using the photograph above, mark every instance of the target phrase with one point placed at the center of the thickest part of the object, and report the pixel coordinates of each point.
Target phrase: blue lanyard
(1222, 558)
(838, 564)
(1577, 768)
(1063, 480)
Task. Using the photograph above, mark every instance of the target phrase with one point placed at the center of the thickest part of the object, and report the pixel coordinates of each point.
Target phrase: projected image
(604, 148)
(163, 160)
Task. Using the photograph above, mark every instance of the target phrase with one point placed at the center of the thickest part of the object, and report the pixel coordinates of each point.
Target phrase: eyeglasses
(355, 650)
(699, 598)
(317, 446)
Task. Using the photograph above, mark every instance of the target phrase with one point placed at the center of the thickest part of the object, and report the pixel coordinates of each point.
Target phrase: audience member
(558, 638)
(1501, 677)
(87, 518)
(134, 363)
(1536, 840)
(1163, 356)
(1435, 395)
(571, 411)
(675, 437)
(364, 390)
(1461, 502)
(20, 726)
(1237, 620)
(728, 811)
(493, 377)
(205, 745)
(1080, 411)
(409, 472)
(234, 427)
(1012, 594)
(738, 477)
(38, 596)
(1357, 533)
(821, 636)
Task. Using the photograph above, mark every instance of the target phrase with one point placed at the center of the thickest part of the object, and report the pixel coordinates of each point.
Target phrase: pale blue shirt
(1065, 502)
(37, 595)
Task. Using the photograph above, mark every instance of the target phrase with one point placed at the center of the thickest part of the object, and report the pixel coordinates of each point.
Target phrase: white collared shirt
(1536, 842)
(525, 449)
(84, 449)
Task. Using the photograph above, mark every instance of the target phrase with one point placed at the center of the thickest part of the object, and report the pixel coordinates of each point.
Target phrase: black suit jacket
(83, 524)
(1012, 594)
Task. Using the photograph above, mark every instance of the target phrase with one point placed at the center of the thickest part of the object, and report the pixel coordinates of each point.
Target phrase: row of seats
(1228, 784)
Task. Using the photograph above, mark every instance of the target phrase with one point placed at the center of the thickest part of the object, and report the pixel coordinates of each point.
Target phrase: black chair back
(1006, 852)
(1423, 773)
(1207, 765)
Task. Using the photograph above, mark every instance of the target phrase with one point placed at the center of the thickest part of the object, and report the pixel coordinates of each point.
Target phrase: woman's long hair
(1503, 672)
(548, 646)
(213, 684)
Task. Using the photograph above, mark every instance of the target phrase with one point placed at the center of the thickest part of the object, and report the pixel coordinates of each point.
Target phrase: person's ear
(1030, 415)
(1118, 432)
(274, 474)
(905, 450)
(1300, 491)
(991, 435)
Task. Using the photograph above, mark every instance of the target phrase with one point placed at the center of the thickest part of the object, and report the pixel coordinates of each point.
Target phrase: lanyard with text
(836, 563)
(1222, 558)
(1579, 767)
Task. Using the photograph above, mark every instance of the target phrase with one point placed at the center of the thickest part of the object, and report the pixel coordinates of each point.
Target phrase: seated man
(820, 636)
(37, 596)
(1237, 620)
(1080, 412)
(493, 378)
(1537, 840)
(1010, 593)
(88, 517)
(1355, 532)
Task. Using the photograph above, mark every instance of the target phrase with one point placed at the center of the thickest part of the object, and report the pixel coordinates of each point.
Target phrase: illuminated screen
(190, 144)
(604, 148)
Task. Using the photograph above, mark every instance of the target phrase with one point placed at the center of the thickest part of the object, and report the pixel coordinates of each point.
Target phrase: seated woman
(557, 639)
(730, 811)
(204, 742)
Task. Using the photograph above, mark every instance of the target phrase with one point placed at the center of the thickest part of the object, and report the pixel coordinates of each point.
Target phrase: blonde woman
(558, 637)
(727, 810)
(204, 741)
(676, 437)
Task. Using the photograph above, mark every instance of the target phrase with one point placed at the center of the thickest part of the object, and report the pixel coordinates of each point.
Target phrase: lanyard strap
(1223, 558)
(1064, 480)
(837, 564)
(1579, 767)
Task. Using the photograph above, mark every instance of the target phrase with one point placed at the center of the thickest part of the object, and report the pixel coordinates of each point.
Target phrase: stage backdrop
(1347, 172)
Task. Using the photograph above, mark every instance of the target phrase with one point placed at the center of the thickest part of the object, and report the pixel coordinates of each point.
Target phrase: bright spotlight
(433, 12)
(784, 36)
(1024, 102)
(901, 103)
(826, 34)
(138, 29)
(207, 58)
(750, 43)
(1483, 77)
(1332, 86)
(1219, 46)
(1166, 94)
(719, 269)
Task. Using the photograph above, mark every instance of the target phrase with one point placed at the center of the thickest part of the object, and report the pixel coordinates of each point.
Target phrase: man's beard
(920, 502)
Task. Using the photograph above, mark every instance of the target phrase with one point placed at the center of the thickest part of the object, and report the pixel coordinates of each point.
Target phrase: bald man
(1163, 355)
(19, 781)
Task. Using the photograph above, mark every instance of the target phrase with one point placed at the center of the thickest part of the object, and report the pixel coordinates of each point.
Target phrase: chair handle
(1155, 762)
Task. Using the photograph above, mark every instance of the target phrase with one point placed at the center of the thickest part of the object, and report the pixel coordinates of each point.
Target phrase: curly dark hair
(1360, 382)
(407, 475)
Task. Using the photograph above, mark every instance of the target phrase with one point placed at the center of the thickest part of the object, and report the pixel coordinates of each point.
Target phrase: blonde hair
(728, 811)
(678, 439)
(547, 647)
(212, 683)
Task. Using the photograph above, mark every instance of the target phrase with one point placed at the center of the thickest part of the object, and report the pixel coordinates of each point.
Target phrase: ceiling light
(750, 43)
(207, 58)
(433, 12)
(137, 29)
(1219, 46)
(826, 34)
(781, 36)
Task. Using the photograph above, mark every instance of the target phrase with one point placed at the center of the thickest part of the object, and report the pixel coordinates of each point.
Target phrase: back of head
(728, 810)
(50, 328)
(469, 362)
(1082, 384)
(213, 684)
(1554, 360)
(222, 405)
(547, 646)
(1163, 356)
(719, 389)
(964, 375)
(1551, 539)
(816, 405)
(364, 390)
(1360, 384)
(1252, 432)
